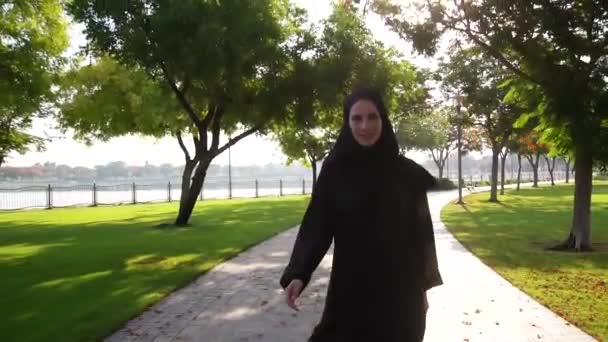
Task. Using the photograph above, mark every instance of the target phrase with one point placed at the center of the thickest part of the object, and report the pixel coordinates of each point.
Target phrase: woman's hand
(292, 292)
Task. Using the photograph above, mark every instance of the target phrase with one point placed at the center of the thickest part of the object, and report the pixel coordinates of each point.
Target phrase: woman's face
(365, 122)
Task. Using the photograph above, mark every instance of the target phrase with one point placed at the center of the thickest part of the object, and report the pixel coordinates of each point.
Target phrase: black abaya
(372, 203)
(384, 252)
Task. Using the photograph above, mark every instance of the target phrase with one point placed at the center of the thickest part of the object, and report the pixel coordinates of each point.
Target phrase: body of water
(86, 195)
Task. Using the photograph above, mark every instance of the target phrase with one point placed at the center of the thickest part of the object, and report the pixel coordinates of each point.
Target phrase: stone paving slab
(240, 300)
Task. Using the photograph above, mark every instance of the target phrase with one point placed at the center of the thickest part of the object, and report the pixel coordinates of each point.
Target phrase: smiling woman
(79, 274)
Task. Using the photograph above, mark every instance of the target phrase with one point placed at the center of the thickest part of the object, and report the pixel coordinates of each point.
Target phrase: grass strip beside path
(512, 236)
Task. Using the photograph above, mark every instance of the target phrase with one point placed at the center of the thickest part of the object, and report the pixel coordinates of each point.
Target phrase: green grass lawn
(511, 237)
(79, 274)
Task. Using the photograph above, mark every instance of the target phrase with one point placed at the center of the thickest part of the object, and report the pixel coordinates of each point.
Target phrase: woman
(372, 203)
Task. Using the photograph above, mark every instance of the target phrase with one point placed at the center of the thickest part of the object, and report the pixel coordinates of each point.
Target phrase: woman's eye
(373, 116)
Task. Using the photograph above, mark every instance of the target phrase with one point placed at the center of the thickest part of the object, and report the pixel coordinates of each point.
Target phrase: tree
(210, 66)
(533, 148)
(562, 52)
(32, 38)
(511, 145)
(568, 169)
(480, 80)
(326, 66)
(518, 170)
(432, 132)
(517, 145)
(306, 146)
(550, 166)
(435, 131)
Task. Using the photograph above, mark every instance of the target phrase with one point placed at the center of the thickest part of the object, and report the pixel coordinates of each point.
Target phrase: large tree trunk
(494, 180)
(568, 170)
(551, 167)
(191, 190)
(579, 238)
(518, 170)
(503, 160)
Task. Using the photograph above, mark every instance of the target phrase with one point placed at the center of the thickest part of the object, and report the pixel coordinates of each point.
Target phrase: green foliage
(32, 38)
(481, 81)
(559, 55)
(444, 184)
(407, 95)
(107, 99)
(426, 131)
(65, 266)
(556, 137)
(224, 64)
(226, 58)
(327, 66)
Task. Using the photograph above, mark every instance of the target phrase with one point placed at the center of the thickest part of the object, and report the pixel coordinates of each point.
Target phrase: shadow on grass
(516, 232)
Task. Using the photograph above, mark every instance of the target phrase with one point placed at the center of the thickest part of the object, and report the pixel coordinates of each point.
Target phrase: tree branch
(434, 158)
(216, 128)
(549, 166)
(446, 156)
(493, 52)
(181, 97)
(311, 157)
(185, 85)
(197, 146)
(211, 111)
(183, 146)
(503, 155)
(179, 93)
(238, 138)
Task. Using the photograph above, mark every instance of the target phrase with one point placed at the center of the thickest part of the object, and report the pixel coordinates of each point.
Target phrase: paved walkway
(240, 300)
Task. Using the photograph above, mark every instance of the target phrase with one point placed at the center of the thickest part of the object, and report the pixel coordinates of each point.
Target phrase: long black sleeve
(428, 254)
(314, 237)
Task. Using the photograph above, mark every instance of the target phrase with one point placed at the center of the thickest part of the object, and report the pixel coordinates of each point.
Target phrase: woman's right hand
(292, 292)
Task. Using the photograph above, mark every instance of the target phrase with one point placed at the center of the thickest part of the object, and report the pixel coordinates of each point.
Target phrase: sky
(135, 150)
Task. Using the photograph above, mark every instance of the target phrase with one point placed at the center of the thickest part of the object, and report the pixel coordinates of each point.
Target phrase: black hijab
(347, 149)
(380, 164)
